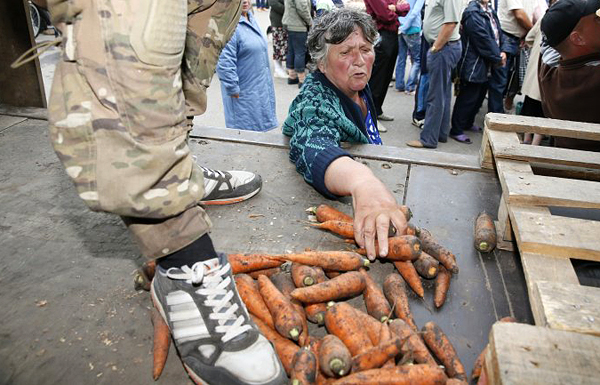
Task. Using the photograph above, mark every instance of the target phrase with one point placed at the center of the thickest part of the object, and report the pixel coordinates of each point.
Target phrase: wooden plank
(544, 126)
(26, 112)
(538, 190)
(500, 140)
(22, 86)
(552, 155)
(504, 226)
(524, 354)
(540, 232)
(486, 160)
(570, 307)
(561, 171)
(510, 166)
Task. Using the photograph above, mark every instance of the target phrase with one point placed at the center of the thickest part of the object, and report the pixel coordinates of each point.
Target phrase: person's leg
(466, 106)
(435, 100)
(300, 55)
(451, 58)
(401, 62)
(386, 53)
(414, 47)
(497, 82)
(289, 62)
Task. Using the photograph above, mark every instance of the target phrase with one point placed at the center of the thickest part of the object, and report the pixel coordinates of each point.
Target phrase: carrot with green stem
(437, 251)
(485, 233)
(315, 312)
(426, 266)
(440, 345)
(286, 318)
(244, 263)
(341, 322)
(160, 344)
(283, 282)
(375, 302)
(413, 345)
(304, 368)
(285, 348)
(394, 289)
(328, 260)
(349, 284)
(250, 295)
(335, 359)
(442, 285)
(409, 273)
(303, 275)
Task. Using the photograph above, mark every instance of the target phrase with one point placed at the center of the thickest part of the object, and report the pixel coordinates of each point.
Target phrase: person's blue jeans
(439, 95)
(296, 54)
(499, 75)
(261, 4)
(421, 97)
(408, 44)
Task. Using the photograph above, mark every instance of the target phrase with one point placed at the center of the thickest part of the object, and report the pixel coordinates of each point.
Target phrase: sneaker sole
(228, 201)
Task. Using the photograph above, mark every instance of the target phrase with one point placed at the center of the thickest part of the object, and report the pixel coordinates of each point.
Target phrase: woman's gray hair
(334, 27)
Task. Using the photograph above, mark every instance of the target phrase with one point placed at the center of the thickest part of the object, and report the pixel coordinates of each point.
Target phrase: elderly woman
(335, 105)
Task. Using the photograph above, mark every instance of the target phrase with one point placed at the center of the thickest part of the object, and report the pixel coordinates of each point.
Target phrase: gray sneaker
(216, 340)
(226, 187)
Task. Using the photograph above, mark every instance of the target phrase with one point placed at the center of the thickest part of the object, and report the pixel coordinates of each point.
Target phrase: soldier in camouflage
(131, 72)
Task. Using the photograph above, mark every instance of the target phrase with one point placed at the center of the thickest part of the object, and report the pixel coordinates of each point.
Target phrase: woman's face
(348, 65)
(246, 5)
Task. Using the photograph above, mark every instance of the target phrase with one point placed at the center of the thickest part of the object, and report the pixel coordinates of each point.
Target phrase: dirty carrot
(332, 273)
(283, 282)
(268, 272)
(442, 284)
(399, 375)
(303, 275)
(400, 248)
(378, 355)
(340, 321)
(315, 312)
(343, 229)
(411, 229)
(285, 348)
(478, 365)
(286, 319)
(456, 381)
(143, 275)
(250, 295)
(326, 213)
(328, 260)
(335, 359)
(346, 285)
(377, 305)
(394, 289)
(160, 344)
(304, 368)
(414, 345)
(409, 273)
(370, 325)
(485, 233)
(426, 266)
(437, 251)
(386, 335)
(244, 263)
(440, 345)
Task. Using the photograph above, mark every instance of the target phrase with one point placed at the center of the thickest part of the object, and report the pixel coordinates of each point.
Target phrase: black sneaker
(214, 336)
(293, 80)
(226, 187)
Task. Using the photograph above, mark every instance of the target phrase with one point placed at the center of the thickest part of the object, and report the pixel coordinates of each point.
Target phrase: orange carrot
(334, 357)
(437, 251)
(399, 375)
(414, 345)
(161, 344)
(409, 273)
(304, 368)
(332, 273)
(370, 325)
(411, 229)
(407, 212)
(440, 345)
(376, 303)
(478, 365)
(303, 275)
(349, 284)
(456, 381)
(285, 348)
(341, 322)
(315, 312)
(442, 284)
(244, 263)
(250, 295)
(378, 355)
(394, 289)
(485, 233)
(287, 320)
(343, 229)
(400, 248)
(268, 272)
(426, 266)
(326, 213)
(384, 336)
(283, 282)
(143, 276)
(328, 260)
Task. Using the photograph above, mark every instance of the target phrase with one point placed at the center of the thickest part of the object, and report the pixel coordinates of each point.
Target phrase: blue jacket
(411, 23)
(243, 69)
(480, 50)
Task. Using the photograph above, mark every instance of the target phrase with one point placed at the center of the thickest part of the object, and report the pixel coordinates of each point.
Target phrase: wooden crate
(535, 179)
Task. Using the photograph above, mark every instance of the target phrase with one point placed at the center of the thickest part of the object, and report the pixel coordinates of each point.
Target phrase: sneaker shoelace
(213, 174)
(218, 296)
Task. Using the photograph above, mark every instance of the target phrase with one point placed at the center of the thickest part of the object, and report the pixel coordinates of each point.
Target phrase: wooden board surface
(545, 126)
(524, 354)
(570, 307)
(552, 155)
(538, 231)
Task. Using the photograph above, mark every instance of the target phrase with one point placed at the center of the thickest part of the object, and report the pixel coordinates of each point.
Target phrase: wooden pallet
(535, 180)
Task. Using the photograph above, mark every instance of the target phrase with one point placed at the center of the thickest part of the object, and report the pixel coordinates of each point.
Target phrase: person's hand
(392, 7)
(503, 61)
(235, 96)
(374, 209)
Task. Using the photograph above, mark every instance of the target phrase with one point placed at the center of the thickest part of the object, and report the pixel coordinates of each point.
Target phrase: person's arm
(402, 8)
(227, 67)
(381, 11)
(277, 6)
(415, 11)
(443, 37)
(303, 8)
(476, 29)
(522, 19)
(374, 205)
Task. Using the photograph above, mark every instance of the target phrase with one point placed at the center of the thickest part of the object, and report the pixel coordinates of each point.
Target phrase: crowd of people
(126, 87)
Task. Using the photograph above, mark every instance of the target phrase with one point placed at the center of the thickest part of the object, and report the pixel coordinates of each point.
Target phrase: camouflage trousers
(131, 72)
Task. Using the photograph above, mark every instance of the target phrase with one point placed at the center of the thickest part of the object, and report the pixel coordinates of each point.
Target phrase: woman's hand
(375, 209)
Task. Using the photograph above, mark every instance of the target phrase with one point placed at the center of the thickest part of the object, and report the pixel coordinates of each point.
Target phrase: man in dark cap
(570, 86)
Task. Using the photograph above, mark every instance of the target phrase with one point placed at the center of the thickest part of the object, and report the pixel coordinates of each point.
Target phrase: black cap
(562, 17)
